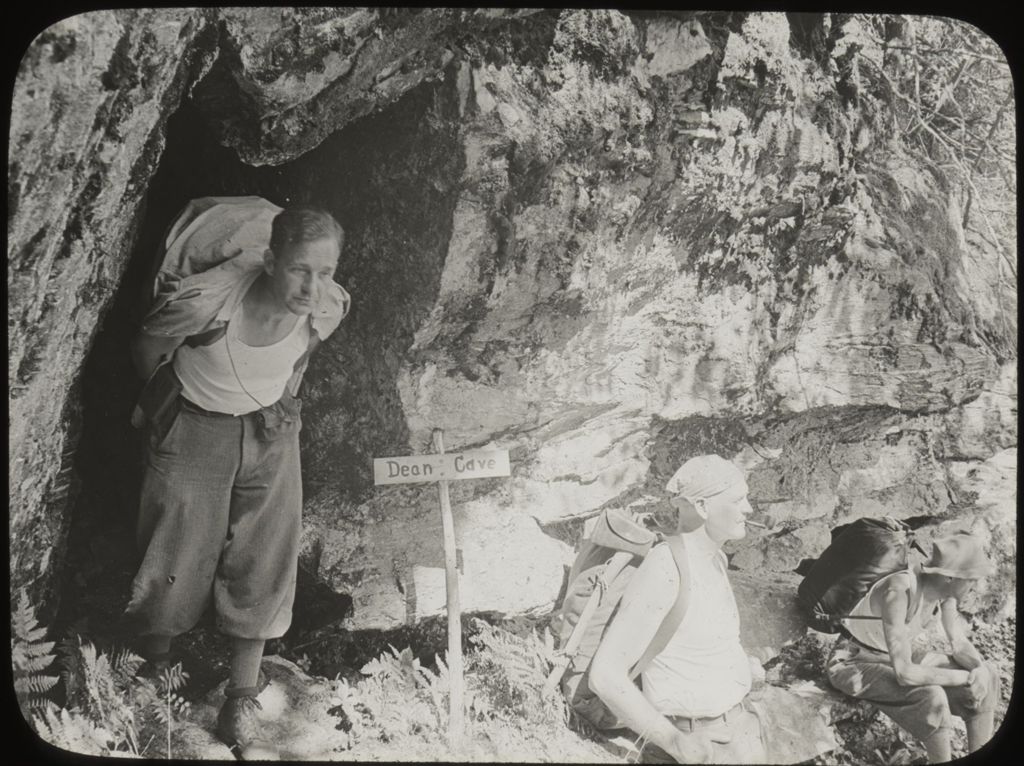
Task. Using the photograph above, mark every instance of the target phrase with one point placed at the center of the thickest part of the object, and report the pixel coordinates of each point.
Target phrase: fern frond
(34, 635)
(35, 647)
(35, 684)
(72, 731)
(42, 703)
(126, 662)
(173, 678)
(26, 664)
(24, 626)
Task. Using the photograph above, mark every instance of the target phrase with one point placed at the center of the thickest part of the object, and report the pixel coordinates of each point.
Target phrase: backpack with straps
(206, 233)
(608, 558)
(861, 553)
(209, 231)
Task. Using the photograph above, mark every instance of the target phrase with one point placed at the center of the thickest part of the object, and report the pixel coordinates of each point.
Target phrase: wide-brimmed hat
(959, 555)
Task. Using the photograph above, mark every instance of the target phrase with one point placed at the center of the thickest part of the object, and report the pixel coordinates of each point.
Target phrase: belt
(683, 723)
(195, 408)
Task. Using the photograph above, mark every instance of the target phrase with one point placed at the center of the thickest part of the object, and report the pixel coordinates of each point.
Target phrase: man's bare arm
(964, 653)
(646, 602)
(895, 603)
(150, 351)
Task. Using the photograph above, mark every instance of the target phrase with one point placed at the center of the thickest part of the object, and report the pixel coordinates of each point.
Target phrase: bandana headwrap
(703, 476)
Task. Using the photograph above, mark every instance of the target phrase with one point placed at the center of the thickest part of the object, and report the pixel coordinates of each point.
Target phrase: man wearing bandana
(692, 707)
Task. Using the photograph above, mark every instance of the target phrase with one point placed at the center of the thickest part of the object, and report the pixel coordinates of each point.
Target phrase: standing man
(921, 690)
(223, 351)
(692, 706)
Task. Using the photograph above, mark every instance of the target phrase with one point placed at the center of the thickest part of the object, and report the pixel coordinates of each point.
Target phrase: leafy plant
(100, 687)
(67, 727)
(401, 696)
(71, 731)
(169, 705)
(31, 655)
(515, 668)
(106, 704)
(402, 701)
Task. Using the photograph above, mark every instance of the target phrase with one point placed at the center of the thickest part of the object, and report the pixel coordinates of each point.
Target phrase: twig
(992, 129)
(917, 68)
(991, 229)
(946, 142)
(947, 92)
(961, 51)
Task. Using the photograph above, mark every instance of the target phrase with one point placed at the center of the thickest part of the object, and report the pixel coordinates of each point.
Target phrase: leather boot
(238, 722)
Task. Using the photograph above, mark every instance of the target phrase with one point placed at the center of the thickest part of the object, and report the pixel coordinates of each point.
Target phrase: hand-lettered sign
(442, 467)
(450, 466)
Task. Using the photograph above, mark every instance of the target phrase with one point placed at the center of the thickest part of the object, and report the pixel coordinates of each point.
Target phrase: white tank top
(209, 380)
(703, 671)
(870, 632)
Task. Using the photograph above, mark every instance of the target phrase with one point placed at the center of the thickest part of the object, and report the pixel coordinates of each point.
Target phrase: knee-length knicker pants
(220, 518)
(921, 710)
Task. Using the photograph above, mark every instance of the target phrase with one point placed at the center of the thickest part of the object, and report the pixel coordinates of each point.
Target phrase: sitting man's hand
(691, 747)
(977, 684)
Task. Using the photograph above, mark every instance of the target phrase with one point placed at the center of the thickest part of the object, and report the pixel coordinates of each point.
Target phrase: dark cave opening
(391, 180)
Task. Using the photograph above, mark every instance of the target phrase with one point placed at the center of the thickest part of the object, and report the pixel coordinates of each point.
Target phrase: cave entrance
(391, 180)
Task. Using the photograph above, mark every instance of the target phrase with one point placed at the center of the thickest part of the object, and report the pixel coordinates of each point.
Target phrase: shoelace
(251, 701)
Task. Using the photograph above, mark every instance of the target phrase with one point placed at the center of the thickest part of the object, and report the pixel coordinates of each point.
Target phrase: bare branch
(959, 51)
(992, 129)
(951, 146)
(948, 90)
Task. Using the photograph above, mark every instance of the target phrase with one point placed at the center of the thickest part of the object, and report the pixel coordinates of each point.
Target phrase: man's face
(302, 272)
(726, 513)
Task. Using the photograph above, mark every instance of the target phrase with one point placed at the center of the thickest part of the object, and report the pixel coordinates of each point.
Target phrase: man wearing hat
(921, 690)
(691, 708)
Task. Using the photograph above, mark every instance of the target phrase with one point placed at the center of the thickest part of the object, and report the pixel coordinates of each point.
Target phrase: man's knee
(932, 706)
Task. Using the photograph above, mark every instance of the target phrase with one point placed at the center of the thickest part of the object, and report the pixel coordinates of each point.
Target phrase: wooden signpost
(444, 467)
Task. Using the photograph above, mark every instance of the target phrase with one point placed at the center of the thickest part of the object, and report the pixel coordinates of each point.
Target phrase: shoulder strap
(566, 654)
(675, 615)
(303, 361)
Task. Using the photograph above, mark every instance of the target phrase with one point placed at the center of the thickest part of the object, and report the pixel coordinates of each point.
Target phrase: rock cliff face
(604, 242)
(91, 101)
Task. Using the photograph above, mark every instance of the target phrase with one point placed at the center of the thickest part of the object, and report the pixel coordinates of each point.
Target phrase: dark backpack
(607, 560)
(860, 554)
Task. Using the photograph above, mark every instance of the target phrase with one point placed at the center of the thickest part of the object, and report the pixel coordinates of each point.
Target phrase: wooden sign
(452, 466)
(442, 467)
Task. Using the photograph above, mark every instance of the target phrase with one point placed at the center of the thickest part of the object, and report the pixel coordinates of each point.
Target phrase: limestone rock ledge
(621, 290)
(606, 242)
